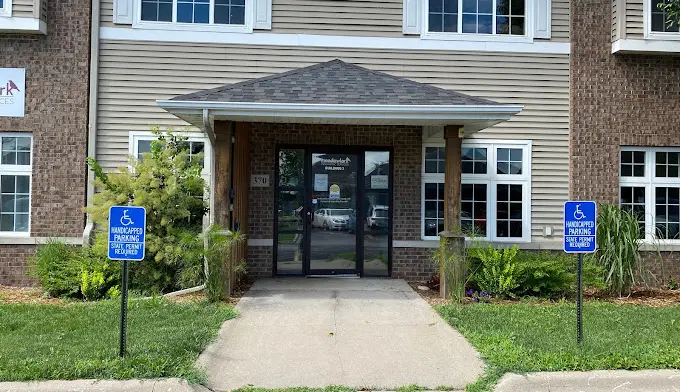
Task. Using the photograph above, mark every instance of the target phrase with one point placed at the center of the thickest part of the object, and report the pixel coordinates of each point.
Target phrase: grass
(81, 340)
(529, 337)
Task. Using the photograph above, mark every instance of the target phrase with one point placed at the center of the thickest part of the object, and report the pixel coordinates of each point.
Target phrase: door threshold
(345, 276)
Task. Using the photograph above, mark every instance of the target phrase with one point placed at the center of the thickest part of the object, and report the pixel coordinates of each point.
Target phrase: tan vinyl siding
(23, 8)
(106, 13)
(634, 19)
(353, 17)
(134, 74)
(560, 21)
(381, 18)
(615, 21)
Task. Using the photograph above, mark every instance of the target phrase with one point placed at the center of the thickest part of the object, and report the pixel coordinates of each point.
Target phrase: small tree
(169, 185)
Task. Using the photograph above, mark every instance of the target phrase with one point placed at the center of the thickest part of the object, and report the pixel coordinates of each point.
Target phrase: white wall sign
(12, 92)
(379, 181)
(259, 180)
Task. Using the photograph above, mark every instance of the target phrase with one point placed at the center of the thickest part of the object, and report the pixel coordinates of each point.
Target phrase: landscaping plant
(169, 185)
(497, 272)
(618, 252)
(218, 253)
(455, 269)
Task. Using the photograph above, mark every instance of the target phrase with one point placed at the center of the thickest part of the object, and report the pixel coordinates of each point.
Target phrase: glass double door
(333, 212)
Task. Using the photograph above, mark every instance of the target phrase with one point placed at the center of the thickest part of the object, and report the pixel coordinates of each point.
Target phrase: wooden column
(241, 183)
(223, 135)
(454, 240)
(452, 175)
(222, 184)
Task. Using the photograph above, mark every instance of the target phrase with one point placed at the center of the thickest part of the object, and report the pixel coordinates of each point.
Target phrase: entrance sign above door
(12, 92)
(580, 226)
(127, 231)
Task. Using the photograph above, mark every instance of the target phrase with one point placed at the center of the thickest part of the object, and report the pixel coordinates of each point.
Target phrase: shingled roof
(337, 83)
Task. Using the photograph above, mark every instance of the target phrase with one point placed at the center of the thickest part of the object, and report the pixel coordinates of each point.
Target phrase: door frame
(360, 152)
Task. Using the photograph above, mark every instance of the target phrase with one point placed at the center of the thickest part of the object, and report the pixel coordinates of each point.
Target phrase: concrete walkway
(375, 333)
(164, 385)
(594, 381)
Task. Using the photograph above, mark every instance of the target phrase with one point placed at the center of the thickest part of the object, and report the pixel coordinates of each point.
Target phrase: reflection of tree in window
(290, 167)
(633, 200)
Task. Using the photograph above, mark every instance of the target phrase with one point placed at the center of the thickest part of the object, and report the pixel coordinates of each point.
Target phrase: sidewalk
(593, 381)
(164, 385)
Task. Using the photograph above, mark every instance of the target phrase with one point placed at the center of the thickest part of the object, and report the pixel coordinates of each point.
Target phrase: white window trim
(528, 37)
(21, 170)
(6, 10)
(647, 24)
(650, 182)
(249, 16)
(136, 136)
(489, 179)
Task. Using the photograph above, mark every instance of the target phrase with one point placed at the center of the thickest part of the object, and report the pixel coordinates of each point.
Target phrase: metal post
(123, 309)
(579, 300)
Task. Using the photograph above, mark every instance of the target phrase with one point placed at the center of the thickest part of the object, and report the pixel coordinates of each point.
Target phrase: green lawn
(80, 340)
(526, 337)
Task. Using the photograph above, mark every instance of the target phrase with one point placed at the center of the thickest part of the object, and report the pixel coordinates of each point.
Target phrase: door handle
(310, 218)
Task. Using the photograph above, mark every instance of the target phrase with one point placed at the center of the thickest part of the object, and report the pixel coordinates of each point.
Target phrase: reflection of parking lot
(328, 245)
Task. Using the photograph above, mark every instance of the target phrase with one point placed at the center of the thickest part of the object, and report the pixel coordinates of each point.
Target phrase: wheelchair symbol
(125, 219)
(578, 214)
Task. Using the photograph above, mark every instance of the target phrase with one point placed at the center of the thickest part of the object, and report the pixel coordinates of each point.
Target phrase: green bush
(543, 274)
(618, 248)
(497, 272)
(553, 274)
(73, 271)
(169, 185)
(57, 267)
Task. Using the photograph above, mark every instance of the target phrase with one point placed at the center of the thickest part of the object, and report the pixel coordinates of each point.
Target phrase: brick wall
(407, 144)
(57, 72)
(616, 100)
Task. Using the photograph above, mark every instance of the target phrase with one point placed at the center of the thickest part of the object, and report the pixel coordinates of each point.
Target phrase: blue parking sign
(580, 227)
(127, 232)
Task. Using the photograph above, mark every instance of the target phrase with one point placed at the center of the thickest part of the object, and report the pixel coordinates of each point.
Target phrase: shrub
(455, 268)
(218, 253)
(57, 268)
(497, 272)
(169, 185)
(553, 274)
(73, 271)
(618, 248)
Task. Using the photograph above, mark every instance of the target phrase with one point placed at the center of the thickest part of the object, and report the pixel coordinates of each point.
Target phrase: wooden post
(452, 235)
(223, 141)
(241, 186)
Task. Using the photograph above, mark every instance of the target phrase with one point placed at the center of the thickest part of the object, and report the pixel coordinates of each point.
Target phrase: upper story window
(208, 12)
(6, 8)
(140, 143)
(660, 18)
(15, 183)
(501, 17)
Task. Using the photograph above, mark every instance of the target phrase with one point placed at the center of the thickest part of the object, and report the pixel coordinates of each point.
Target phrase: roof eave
(472, 117)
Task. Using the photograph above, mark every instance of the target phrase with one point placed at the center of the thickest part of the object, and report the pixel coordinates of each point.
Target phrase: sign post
(580, 236)
(127, 234)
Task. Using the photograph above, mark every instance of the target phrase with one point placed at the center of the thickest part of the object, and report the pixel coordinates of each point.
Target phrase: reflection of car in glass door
(377, 217)
(332, 218)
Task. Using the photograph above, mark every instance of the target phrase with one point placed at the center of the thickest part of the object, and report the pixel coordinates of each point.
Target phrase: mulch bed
(640, 296)
(26, 295)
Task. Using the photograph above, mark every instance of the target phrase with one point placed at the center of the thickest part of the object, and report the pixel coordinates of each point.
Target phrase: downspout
(92, 115)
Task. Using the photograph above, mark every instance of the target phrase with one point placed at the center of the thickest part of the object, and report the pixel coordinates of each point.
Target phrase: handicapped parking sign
(127, 232)
(580, 227)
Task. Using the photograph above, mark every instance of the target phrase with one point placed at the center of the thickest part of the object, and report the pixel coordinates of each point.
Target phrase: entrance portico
(340, 146)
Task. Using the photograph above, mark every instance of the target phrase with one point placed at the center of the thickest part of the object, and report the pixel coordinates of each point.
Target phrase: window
(660, 19)
(140, 143)
(501, 17)
(650, 187)
(206, 12)
(15, 183)
(495, 190)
